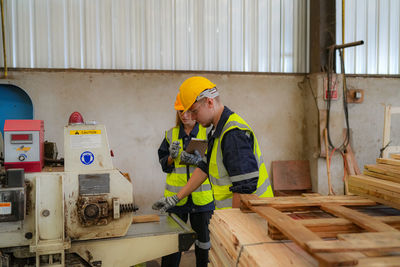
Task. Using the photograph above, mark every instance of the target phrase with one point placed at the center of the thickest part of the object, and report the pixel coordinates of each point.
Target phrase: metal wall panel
(214, 35)
(377, 22)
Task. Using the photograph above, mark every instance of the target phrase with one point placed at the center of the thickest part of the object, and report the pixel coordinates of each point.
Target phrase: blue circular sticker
(87, 157)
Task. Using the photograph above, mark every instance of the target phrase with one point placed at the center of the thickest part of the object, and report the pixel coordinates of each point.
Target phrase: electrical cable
(346, 140)
(345, 104)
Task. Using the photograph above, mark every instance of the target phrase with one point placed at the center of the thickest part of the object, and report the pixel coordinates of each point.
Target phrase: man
(234, 161)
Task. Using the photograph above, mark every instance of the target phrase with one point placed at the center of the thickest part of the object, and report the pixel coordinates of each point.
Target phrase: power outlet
(355, 96)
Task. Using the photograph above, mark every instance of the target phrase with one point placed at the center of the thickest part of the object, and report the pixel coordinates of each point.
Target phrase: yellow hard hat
(191, 88)
(178, 103)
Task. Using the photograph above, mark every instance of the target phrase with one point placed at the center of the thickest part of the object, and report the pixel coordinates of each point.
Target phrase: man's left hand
(192, 159)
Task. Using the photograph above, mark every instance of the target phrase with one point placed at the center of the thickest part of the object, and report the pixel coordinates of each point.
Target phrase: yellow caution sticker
(83, 132)
(23, 149)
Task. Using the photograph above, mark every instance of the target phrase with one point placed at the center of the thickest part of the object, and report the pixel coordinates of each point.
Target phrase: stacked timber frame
(361, 239)
(379, 182)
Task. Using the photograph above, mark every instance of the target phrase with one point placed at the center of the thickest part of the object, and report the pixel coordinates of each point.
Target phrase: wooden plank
(393, 162)
(381, 176)
(291, 175)
(240, 235)
(218, 249)
(395, 156)
(332, 227)
(386, 129)
(289, 227)
(349, 164)
(283, 202)
(310, 194)
(231, 229)
(300, 235)
(386, 170)
(244, 202)
(145, 218)
(274, 254)
(322, 115)
(375, 189)
(352, 157)
(362, 220)
(388, 185)
(354, 245)
(375, 235)
(223, 246)
(376, 196)
(380, 235)
(379, 261)
(393, 168)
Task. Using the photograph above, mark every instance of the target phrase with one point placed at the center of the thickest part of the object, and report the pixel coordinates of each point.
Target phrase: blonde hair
(178, 121)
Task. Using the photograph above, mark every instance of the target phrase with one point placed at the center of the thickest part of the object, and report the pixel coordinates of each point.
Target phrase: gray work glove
(192, 159)
(165, 203)
(174, 149)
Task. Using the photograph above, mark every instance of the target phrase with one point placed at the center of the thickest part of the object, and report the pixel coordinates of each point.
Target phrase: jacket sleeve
(163, 153)
(239, 161)
(203, 166)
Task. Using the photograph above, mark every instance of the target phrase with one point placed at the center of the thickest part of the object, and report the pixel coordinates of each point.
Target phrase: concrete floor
(188, 259)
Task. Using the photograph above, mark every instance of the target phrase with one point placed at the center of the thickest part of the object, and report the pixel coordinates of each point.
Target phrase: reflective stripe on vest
(175, 189)
(178, 177)
(219, 176)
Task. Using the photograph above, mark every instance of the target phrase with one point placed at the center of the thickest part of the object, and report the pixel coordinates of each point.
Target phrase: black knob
(21, 157)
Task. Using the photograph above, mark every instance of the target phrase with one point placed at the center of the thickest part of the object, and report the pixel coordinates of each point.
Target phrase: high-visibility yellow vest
(178, 177)
(219, 177)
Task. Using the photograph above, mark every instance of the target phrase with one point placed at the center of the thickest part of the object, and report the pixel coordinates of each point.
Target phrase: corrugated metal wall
(377, 22)
(219, 35)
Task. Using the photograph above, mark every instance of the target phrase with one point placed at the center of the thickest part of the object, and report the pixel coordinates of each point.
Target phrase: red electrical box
(24, 145)
(333, 93)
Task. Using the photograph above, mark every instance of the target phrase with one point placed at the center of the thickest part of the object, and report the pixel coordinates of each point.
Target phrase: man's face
(201, 111)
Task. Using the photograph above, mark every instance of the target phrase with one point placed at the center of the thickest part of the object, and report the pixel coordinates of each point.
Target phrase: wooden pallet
(378, 238)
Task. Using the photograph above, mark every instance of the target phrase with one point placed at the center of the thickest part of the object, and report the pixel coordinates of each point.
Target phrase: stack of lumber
(379, 182)
(241, 239)
(377, 245)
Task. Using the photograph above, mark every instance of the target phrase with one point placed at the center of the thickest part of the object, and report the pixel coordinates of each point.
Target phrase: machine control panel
(24, 144)
(22, 147)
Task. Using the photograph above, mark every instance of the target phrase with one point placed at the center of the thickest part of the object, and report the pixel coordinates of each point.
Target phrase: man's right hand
(174, 149)
(165, 203)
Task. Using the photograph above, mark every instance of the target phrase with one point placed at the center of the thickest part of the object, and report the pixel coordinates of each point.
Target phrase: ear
(210, 102)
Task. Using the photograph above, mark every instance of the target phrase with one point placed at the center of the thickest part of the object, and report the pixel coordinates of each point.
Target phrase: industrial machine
(80, 215)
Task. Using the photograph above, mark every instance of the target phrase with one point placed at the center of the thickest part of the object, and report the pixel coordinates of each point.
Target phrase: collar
(193, 133)
(221, 123)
